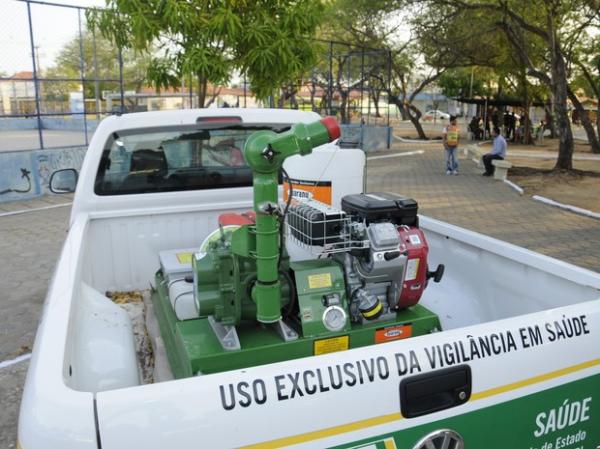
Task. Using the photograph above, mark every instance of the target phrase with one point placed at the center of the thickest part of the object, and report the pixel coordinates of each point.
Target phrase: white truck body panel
(113, 243)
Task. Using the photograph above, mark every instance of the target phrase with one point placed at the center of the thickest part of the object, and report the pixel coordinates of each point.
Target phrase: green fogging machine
(356, 278)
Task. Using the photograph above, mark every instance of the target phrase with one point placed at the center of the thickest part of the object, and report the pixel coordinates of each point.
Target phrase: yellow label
(319, 280)
(184, 258)
(332, 345)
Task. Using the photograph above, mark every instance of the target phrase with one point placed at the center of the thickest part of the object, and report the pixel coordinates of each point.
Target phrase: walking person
(512, 126)
(450, 136)
(498, 152)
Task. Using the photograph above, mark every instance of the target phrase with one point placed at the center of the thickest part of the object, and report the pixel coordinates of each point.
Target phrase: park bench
(501, 169)
(474, 153)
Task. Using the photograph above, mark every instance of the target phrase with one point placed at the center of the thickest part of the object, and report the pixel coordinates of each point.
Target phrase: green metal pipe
(265, 152)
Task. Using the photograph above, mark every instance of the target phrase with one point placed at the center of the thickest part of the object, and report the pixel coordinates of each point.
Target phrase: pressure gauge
(334, 318)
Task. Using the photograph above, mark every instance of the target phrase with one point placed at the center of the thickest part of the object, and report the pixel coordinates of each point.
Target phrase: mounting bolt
(462, 395)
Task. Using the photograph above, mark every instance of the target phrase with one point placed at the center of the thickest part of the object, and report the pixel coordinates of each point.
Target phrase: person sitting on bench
(498, 152)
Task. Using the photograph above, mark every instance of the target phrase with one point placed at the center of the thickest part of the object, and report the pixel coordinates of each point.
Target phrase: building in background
(17, 94)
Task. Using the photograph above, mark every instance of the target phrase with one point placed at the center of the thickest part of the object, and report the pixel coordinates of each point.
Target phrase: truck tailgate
(535, 384)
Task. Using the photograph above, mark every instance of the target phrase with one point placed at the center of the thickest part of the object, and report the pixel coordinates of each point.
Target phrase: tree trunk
(598, 118)
(399, 102)
(202, 87)
(526, 121)
(586, 122)
(213, 97)
(375, 95)
(559, 88)
(527, 124)
(324, 102)
(413, 114)
(549, 121)
(343, 107)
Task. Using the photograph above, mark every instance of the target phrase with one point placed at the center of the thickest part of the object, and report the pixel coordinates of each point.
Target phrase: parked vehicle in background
(435, 114)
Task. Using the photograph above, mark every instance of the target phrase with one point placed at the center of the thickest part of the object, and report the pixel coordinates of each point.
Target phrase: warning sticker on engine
(322, 280)
(184, 258)
(414, 239)
(309, 190)
(332, 345)
(392, 333)
(412, 267)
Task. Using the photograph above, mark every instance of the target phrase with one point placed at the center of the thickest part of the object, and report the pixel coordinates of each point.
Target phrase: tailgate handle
(435, 391)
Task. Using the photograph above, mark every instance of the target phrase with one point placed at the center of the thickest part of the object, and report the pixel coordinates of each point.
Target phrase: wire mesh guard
(321, 229)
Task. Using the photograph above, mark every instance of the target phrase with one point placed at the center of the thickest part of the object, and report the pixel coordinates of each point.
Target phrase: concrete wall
(66, 123)
(25, 174)
(69, 124)
(368, 138)
(10, 124)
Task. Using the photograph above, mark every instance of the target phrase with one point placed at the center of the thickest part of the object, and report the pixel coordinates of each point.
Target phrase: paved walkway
(485, 205)
(29, 246)
(44, 202)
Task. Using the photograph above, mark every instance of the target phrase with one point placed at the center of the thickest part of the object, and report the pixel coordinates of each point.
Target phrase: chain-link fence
(59, 78)
(52, 83)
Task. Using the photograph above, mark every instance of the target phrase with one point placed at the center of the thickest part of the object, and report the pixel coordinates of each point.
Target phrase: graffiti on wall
(26, 174)
(49, 161)
(17, 176)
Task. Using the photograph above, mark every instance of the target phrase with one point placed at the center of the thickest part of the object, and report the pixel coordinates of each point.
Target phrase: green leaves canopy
(210, 39)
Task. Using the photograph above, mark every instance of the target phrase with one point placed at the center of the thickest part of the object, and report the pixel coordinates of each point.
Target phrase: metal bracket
(227, 335)
(284, 331)
(269, 153)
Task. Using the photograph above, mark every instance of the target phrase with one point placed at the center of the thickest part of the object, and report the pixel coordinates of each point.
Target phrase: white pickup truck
(513, 361)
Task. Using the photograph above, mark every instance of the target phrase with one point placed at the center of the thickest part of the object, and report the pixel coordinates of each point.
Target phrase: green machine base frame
(192, 347)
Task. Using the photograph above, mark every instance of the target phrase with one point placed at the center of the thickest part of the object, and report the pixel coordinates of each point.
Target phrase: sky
(52, 28)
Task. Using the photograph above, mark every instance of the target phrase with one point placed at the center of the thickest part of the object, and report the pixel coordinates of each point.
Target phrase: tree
(586, 67)
(538, 32)
(100, 61)
(207, 40)
(465, 82)
(354, 52)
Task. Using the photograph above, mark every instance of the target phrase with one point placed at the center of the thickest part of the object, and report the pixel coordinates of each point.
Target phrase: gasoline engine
(357, 275)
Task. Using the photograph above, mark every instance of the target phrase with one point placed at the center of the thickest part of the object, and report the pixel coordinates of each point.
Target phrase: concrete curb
(407, 153)
(575, 209)
(514, 186)
(24, 211)
(21, 358)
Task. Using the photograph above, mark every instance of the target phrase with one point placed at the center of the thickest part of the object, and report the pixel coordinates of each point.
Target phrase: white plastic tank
(327, 174)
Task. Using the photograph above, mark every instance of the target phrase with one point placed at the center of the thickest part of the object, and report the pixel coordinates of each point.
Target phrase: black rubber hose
(282, 219)
(292, 303)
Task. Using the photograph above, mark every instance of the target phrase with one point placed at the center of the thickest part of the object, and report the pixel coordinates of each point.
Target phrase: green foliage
(209, 39)
(457, 82)
(100, 60)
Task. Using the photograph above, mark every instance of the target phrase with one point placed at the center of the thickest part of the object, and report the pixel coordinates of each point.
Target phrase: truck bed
(485, 280)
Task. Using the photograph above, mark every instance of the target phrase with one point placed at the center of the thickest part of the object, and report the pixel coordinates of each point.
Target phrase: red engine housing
(415, 278)
(246, 218)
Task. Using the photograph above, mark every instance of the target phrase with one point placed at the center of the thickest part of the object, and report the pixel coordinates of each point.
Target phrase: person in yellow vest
(451, 136)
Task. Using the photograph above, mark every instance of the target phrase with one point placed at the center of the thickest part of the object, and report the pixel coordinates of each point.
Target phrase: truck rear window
(174, 159)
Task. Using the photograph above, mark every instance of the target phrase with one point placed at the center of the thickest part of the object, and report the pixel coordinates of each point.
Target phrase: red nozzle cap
(333, 129)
